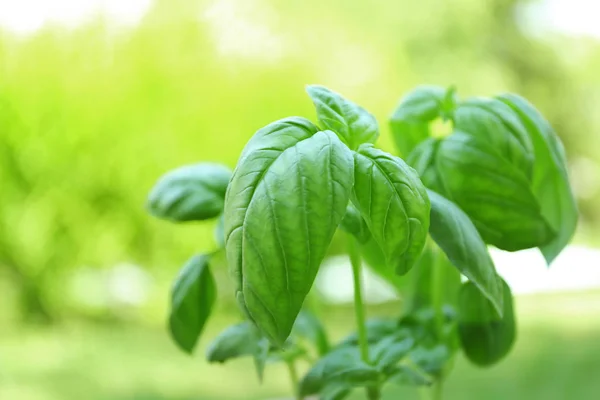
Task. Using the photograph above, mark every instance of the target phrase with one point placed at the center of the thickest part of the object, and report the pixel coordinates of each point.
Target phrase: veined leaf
(285, 200)
(190, 193)
(456, 235)
(410, 121)
(193, 295)
(352, 123)
(394, 204)
(550, 182)
(495, 195)
(494, 123)
(485, 336)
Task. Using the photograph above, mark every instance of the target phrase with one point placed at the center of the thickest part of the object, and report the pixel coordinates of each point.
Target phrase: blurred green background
(92, 113)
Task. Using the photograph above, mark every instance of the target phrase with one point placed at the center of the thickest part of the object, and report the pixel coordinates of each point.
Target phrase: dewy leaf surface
(550, 177)
(286, 198)
(456, 235)
(190, 193)
(193, 296)
(352, 123)
(394, 204)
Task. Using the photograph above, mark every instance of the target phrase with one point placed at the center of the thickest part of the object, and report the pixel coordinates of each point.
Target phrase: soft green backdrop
(91, 116)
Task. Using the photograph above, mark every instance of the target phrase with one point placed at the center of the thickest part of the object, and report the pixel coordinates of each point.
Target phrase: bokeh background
(99, 98)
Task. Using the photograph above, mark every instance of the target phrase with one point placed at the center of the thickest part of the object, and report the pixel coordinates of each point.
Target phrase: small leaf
(394, 204)
(335, 392)
(391, 350)
(431, 359)
(308, 325)
(485, 336)
(410, 375)
(193, 296)
(234, 342)
(286, 198)
(341, 366)
(352, 123)
(190, 193)
(456, 235)
(411, 119)
(550, 177)
(354, 224)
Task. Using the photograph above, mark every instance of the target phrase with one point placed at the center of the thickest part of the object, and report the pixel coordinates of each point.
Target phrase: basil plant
(423, 223)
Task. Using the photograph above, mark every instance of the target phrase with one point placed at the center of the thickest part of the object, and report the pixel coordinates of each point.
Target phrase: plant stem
(437, 294)
(359, 310)
(437, 391)
(373, 392)
(294, 379)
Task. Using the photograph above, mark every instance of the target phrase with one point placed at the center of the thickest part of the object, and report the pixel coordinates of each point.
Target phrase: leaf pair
(503, 165)
(291, 190)
(191, 193)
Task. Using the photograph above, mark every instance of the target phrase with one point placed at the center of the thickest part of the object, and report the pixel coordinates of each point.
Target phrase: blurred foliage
(90, 117)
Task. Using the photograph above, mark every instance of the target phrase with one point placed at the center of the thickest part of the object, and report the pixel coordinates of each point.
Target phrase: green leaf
(433, 275)
(354, 224)
(431, 359)
(341, 366)
(192, 298)
(495, 195)
(485, 336)
(410, 375)
(494, 123)
(308, 326)
(390, 350)
(424, 160)
(550, 183)
(236, 341)
(219, 232)
(394, 204)
(456, 235)
(352, 123)
(335, 392)
(286, 198)
(190, 193)
(410, 121)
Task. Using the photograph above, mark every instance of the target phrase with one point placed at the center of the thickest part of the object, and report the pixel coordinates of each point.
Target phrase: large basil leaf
(485, 336)
(492, 192)
(410, 121)
(352, 123)
(456, 235)
(494, 123)
(234, 342)
(394, 204)
(550, 177)
(190, 193)
(285, 200)
(193, 295)
(342, 366)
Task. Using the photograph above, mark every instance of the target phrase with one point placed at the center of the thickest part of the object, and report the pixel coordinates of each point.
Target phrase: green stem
(437, 391)
(294, 379)
(437, 295)
(373, 392)
(359, 310)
